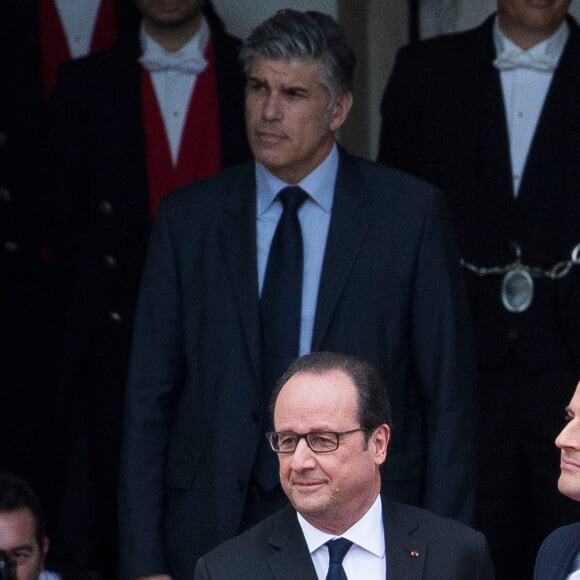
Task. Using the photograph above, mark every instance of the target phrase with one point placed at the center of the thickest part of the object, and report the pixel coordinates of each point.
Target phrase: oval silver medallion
(517, 290)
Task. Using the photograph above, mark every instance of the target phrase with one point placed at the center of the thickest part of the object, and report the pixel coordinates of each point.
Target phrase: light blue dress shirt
(314, 216)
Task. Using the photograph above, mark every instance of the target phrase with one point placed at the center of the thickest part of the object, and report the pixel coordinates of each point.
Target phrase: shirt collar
(194, 47)
(552, 47)
(319, 184)
(363, 533)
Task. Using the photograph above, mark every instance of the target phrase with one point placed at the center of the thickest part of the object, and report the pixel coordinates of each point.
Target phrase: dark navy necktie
(281, 300)
(280, 314)
(337, 550)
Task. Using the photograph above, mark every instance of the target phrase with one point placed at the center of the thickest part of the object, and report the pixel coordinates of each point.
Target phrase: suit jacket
(444, 121)
(557, 553)
(276, 549)
(390, 291)
(96, 175)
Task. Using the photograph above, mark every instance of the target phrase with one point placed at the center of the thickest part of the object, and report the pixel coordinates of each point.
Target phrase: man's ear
(380, 443)
(340, 110)
(44, 548)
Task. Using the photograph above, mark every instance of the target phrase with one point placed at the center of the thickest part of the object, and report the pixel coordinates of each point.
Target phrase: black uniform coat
(444, 121)
(98, 181)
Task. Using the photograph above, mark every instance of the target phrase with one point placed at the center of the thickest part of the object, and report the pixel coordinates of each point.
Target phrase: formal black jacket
(443, 120)
(419, 546)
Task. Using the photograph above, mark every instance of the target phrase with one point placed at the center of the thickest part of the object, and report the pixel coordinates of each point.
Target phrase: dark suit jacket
(390, 291)
(444, 121)
(97, 178)
(276, 549)
(557, 553)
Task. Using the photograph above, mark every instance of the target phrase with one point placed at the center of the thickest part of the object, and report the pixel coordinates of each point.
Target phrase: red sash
(200, 147)
(53, 42)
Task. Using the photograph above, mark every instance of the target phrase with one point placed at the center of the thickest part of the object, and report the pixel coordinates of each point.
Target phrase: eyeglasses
(318, 441)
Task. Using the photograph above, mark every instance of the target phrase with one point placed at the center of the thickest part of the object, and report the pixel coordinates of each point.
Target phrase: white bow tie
(188, 65)
(511, 59)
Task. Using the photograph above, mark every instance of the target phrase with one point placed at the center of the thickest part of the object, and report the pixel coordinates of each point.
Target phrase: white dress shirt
(172, 88)
(524, 93)
(314, 217)
(366, 559)
(78, 18)
(575, 575)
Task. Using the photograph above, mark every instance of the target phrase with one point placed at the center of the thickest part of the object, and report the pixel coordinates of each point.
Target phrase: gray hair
(305, 36)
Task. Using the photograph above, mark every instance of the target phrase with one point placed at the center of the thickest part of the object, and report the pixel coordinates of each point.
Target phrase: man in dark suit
(491, 116)
(559, 555)
(113, 156)
(378, 277)
(332, 422)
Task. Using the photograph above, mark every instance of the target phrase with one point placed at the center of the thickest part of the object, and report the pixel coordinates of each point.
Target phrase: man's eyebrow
(24, 547)
(295, 88)
(257, 79)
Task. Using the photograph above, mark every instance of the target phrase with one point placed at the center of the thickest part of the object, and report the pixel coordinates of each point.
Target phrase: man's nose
(272, 108)
(569, 436)
(303, 456)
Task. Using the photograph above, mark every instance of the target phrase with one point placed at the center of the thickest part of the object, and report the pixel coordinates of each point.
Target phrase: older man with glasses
(332, 421)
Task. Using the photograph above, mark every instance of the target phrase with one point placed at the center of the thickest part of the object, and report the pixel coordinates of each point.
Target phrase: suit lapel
(569, 549)
(495, 157)
(238, 242)
(350, 221)
(549, 144)
(405, 554)
(121, 103)
(290, 558)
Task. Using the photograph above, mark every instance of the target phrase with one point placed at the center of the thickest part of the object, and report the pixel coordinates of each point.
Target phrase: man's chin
(569, 486)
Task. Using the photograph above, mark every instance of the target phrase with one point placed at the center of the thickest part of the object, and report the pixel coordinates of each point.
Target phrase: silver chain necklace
(517, 288)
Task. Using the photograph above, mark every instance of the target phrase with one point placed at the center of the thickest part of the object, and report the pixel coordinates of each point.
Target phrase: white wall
(440, 16)
(241, 17)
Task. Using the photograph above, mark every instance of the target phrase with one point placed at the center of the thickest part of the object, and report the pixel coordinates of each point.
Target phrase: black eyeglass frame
(337, 434)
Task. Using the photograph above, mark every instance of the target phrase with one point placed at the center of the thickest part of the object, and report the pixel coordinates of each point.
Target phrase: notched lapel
(238, 243)
(406, 559)
(550, 144)
(349, 224)
(405, 553)
(291, 558)
(494, 143)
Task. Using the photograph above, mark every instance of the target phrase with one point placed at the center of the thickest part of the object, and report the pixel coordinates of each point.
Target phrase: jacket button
(512, 335)
(5, 194)
(105, 207)
(115, 316)
(110, 261)
(11, 246)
